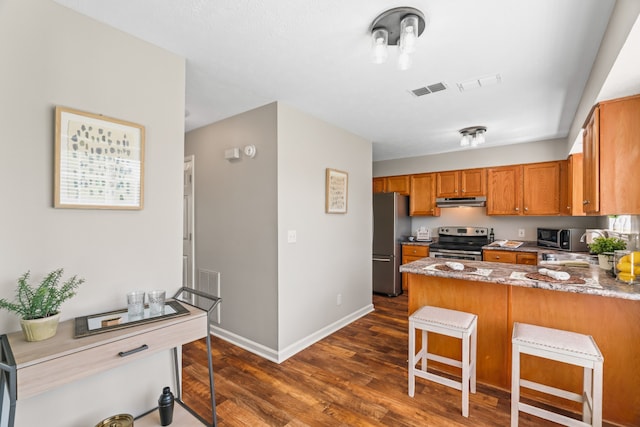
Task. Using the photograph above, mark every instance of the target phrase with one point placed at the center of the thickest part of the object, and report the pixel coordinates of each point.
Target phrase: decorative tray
(113, 320)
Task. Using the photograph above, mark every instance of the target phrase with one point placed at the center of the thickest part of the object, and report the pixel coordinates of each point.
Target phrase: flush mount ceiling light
(400, 26)
(472, 136)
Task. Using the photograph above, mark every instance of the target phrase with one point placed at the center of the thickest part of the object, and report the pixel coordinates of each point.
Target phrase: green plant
(606, 244)
(43, 300)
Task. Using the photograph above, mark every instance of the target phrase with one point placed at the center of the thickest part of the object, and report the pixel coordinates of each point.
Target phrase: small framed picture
(99, 162)
(336, 189)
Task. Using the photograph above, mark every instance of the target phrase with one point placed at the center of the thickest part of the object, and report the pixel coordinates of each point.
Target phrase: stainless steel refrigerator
(391, 225)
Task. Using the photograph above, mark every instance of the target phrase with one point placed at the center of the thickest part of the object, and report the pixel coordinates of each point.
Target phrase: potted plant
(39, 306)
(604, 248)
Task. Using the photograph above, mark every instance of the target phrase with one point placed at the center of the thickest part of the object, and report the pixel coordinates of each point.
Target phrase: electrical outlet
(521, 232)
(292, 236)
(339, 299)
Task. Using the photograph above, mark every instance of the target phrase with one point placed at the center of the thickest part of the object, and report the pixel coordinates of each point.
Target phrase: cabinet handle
(585, 202)
(517, 209)
(135, 350)
(526, 209)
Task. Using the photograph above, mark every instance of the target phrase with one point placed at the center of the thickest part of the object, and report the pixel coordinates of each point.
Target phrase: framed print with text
(336, 191)
(99, 162)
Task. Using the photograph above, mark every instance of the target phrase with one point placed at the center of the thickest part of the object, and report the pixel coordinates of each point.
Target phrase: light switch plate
(292, 236)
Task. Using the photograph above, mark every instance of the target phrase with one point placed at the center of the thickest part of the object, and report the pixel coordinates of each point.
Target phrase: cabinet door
(591, 169)
(447, 184)
(379, 185)
(541, 188)
(398, 184)
(619, 154)
(412, 253)
(499, 256)
(473, 182)
(504, 190)
(571, 186)
(422, 199)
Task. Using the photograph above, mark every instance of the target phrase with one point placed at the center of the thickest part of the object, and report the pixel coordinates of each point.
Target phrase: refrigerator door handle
(382, 259)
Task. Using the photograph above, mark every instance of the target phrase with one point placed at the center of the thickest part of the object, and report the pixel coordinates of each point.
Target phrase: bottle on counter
(165, 406)
(491, 236)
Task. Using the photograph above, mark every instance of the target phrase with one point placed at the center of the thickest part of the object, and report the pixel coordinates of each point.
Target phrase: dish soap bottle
(165, 406)
(491, 236)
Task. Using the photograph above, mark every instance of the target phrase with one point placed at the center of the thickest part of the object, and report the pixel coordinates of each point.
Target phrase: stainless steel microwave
(562, 239)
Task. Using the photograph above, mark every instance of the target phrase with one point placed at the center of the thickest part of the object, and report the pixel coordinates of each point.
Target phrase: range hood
(456, 202)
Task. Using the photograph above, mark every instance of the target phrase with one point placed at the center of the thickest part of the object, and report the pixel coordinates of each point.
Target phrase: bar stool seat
(452, 323)
(563, 346)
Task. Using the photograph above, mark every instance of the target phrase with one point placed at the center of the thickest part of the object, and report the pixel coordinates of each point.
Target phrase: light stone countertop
(599, 282)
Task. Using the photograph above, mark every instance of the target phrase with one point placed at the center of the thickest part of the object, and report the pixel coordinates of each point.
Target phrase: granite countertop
(598, 281)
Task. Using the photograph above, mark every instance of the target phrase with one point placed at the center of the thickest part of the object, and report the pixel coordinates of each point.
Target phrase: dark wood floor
(355, 377)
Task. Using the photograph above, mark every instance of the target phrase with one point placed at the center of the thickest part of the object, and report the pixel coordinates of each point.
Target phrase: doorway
(188, 241)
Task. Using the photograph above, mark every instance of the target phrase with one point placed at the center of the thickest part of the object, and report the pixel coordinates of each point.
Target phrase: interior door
(188, 242)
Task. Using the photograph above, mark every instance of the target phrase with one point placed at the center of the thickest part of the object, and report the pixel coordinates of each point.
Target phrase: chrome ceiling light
(400, 26)
(472, 136)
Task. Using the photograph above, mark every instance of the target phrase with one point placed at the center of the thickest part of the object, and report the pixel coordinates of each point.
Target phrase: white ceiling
(315, 56)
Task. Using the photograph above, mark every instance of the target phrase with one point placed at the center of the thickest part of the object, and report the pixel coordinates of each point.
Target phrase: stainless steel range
(460, 243)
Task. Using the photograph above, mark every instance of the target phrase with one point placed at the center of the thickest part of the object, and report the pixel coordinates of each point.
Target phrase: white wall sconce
(472, 136)
(400, 26)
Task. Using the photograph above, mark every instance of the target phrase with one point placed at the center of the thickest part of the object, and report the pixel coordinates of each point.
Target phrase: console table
(30, 368)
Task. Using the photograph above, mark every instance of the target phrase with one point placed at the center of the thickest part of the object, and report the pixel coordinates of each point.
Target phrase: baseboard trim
(282, 355)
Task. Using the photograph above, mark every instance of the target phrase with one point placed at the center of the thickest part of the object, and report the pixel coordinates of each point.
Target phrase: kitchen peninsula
(501, 294)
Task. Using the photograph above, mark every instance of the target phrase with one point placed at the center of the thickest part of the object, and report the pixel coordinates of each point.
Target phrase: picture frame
(99, 161)
(336, 191)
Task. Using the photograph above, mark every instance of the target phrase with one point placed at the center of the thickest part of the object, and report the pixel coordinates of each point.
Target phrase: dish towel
(558, 275)
(455, 265)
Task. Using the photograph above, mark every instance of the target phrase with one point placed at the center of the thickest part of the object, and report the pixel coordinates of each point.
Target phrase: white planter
(605, 261)
(40, 329)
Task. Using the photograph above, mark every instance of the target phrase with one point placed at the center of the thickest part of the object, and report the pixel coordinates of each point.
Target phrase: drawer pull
(135, 350)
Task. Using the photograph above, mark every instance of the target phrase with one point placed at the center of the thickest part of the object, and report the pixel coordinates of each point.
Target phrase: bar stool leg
(423, 353)
(412, 358)
(597, 395)
(515, 384)
(474, 359)
(587, 395)
(465, 375)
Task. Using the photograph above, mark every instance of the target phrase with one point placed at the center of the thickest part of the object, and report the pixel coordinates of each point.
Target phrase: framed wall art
(336, 191)
(99, 162)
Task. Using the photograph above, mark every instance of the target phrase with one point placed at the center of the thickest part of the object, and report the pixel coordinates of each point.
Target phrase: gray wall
(279, 297)
(236, 219)
(52, 56)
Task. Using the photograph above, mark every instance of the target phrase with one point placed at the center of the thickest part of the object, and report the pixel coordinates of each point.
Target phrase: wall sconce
(400, 26)
(472, 136)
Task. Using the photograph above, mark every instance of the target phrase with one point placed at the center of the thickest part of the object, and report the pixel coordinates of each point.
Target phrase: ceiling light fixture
(472, 136)
(400, 26)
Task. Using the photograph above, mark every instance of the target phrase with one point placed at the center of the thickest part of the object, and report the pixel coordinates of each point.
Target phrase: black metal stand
(8, 379)
(207, 303)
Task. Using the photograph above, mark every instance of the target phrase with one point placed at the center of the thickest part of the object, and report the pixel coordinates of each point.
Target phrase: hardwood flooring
(355, 377)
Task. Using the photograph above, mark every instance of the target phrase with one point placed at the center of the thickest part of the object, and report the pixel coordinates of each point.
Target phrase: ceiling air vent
(436, 87)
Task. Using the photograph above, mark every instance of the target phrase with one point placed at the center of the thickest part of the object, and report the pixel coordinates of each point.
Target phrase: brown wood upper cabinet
(571, 186)
(461, 183)
(529, 189)
(422, 198)
(611, 153)
(390, 184)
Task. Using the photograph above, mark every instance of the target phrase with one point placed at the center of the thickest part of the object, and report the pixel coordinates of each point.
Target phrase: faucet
(598, 232)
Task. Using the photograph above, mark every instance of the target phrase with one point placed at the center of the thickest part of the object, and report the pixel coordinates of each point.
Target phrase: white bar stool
(452, 323)
(563, 346)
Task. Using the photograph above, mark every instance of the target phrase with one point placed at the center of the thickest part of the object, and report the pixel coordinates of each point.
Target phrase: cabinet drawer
(419, 251)
(527, 258)
(499, 256)
(72, 365)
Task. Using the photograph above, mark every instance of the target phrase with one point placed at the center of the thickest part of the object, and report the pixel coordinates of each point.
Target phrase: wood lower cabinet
(511, 257)
(422, 198)
(461, 183)
(611, 152)
(412, 253)
(529, 189)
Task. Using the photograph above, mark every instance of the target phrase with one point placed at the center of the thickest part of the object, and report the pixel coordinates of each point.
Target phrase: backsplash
(507, 227)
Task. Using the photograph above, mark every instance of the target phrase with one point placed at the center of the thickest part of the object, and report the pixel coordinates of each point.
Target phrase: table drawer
(48, 374)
